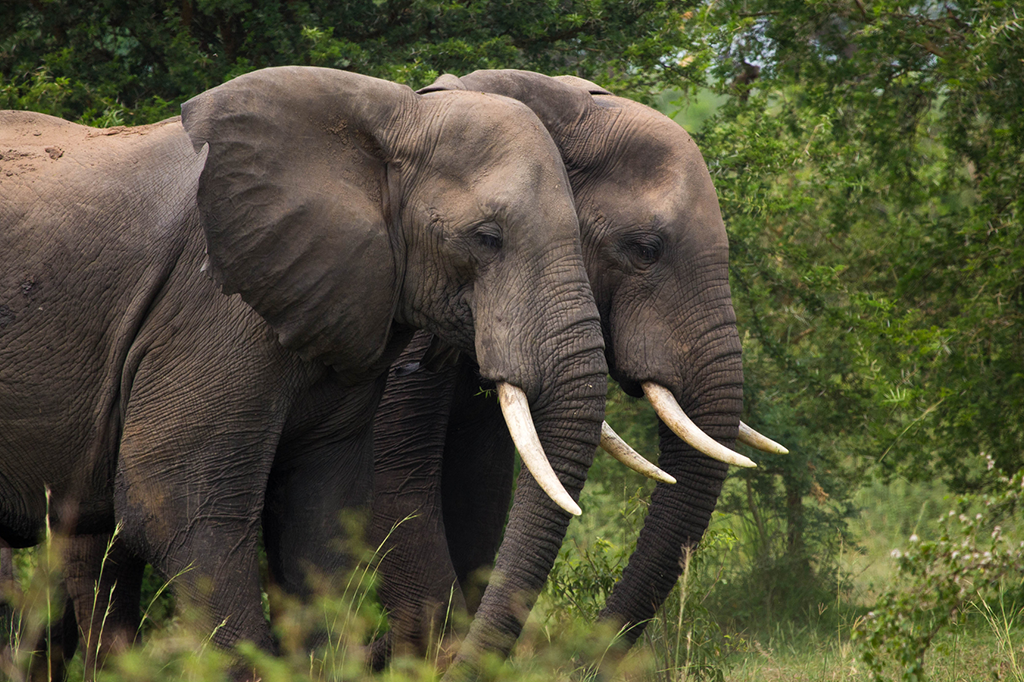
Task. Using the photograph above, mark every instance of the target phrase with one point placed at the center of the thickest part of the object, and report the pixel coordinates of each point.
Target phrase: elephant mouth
(669, 411)
(516, 411)
(629, 386)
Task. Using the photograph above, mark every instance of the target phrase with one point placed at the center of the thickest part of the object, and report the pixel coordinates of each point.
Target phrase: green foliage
(684, 642)
(870, 176)
(765, 577)
(344, 616)
(134, 62)
(35, 604)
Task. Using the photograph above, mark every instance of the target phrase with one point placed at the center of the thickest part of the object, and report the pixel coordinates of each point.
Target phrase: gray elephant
(656, 253)
(336, 214)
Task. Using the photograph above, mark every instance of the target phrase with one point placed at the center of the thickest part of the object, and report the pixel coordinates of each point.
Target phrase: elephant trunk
(679, 514)
(568, 421)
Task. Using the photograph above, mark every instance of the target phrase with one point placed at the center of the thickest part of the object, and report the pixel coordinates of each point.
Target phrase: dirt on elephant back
(129, 130)
(30, 141)
(17, 161)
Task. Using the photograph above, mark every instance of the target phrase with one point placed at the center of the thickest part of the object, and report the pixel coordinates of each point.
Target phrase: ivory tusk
(668, 410)
(755, 440)
(620, 450)
(516, 409)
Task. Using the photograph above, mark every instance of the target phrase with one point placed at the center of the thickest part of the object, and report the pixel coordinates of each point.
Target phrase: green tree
(868, 163)
(113, 61)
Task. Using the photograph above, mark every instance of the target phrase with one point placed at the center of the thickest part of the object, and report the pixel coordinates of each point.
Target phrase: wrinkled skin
(656, 253)
(344, 213)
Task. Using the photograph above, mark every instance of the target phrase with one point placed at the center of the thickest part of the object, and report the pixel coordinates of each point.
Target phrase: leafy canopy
(114, 61)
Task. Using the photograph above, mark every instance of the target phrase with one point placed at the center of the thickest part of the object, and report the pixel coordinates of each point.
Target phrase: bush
(971, 568)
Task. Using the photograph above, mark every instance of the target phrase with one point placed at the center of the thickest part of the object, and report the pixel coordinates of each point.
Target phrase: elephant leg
(443, 476)
(478, 470)
(194, 460)
(206, 548)
(104, 582)
(56, 643)
(56, 646)
(418, 586)
(319, 491)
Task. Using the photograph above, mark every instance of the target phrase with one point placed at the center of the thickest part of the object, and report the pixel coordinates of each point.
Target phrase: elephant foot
(378, 654)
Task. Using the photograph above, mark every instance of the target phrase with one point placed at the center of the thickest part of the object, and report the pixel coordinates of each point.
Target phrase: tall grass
(1005, 620)
(697, 635)
(34, 603)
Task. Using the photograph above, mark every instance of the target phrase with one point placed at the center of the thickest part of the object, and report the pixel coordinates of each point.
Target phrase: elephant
(656, 253)
(197, 318)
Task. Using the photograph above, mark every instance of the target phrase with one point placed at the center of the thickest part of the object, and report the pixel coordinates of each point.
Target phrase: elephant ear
(294, 204)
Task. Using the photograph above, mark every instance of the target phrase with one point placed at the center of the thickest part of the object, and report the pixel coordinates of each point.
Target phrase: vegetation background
(868, 157)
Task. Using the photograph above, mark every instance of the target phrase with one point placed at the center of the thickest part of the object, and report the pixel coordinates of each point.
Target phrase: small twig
(863, 12)
(924, 414)
(931, 47)
(796, 339)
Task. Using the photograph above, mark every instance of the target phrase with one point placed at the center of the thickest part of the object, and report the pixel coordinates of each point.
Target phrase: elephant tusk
(516, 409)
(754, 439)
(668, 411)
(620, 450)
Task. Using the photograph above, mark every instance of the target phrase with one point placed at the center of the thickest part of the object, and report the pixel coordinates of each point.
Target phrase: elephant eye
(644, 249)
(489, 237)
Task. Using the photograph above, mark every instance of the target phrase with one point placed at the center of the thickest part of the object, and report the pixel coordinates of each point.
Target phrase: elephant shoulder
(106, 201)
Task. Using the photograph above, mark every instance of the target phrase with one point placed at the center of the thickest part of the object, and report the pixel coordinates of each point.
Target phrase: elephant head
(435, 215)
(656, 252)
